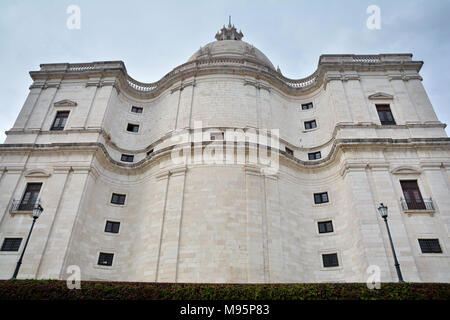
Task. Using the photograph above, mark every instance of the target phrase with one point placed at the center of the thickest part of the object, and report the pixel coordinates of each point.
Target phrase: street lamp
(37, 210)
(383, 210)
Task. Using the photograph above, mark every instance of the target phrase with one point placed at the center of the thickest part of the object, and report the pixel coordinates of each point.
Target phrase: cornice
(343, 67)
(337, 145)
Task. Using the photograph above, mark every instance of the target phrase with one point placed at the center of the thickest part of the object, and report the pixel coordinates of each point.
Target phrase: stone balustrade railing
(245, 62)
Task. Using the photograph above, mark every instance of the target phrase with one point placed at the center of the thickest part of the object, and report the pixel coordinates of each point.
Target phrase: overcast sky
(153, 37)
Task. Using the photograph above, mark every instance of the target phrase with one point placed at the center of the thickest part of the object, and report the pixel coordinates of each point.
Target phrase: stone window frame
(423, 187)
(430, 236)
(53, 114)
(321, 191)
(392, 107)
(52, 128)
(112, 267)
(134, 123)
(333, 233)
(131, 105)
(22, 188)
(328, 251)
(12, 235)
(112, 220)
(306, 103)
(317, 151)
(115, 204)
(312, 129)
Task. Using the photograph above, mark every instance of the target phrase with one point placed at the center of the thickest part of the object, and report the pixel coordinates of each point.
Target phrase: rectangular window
(118, 198)
(310, 124)
(330, 260)
(289, 151)
(307, 106)
(60, 120)
(105, 259)
(132, 127)
(314, 155)
(11, 244)
(30, 196)
(325, 226)
(413, 197)
(112, 227)
(430, 245)
(127, 158)
(136, 109)
(321, 197)
(385, 114)
(216, 135)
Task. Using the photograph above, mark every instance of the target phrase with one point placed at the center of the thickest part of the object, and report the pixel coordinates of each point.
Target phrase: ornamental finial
(229, 33)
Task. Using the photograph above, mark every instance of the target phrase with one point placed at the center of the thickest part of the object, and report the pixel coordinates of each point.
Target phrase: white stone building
(96, 149)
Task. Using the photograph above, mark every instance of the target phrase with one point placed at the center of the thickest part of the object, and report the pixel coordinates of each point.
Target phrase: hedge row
(95, 290)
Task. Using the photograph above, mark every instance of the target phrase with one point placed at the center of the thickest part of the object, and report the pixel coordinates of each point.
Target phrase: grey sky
(153, 37)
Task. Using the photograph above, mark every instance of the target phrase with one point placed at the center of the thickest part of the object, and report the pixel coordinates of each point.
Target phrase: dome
(229, 44)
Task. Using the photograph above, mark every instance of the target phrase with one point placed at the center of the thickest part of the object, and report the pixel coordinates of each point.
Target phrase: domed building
(226, 171)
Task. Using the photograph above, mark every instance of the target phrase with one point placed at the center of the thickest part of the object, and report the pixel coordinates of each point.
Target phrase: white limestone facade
(228, 220)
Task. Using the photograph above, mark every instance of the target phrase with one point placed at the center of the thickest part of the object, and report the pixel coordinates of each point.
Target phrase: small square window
(112, 226)
(325, 226)
(216, 135)
(105, 259)
(314, 155)
(118, 198)
(127, 158)
(132, 127)
(11, 244)
(321, 197)
(430, 245)
(136, 109)
(60, 120)
(330, 260)
(289, 151)
(307, 106)
(310, 124)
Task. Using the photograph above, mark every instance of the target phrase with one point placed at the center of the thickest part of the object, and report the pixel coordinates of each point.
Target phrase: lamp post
(383, 210)
(37, 210)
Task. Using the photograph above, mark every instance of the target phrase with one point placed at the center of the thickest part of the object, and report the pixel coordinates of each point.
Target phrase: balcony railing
(19, 205)
(427, 204)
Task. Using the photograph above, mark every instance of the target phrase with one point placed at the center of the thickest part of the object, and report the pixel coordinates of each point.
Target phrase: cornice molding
(381, 96)
(347, 68)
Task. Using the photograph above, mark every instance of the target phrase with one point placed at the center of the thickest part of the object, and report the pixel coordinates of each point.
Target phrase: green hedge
(94, 290)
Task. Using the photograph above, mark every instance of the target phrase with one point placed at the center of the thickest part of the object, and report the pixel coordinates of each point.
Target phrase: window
(60, 120)
(216, 135)
(11, 244)
(30, 196)
(105, 259)
(289, 151)
(321, 197)
(325, 226)
(112, 227)
(132, 127)
(310, 124)
(385, 114)
(127, 158)
(413, 198)
(118, 198)
(307, 106)
(430, 246)
(136, 109)
(314, 155)
(330, 260)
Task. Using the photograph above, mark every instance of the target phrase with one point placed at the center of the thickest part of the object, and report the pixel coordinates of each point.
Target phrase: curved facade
(212, 173)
